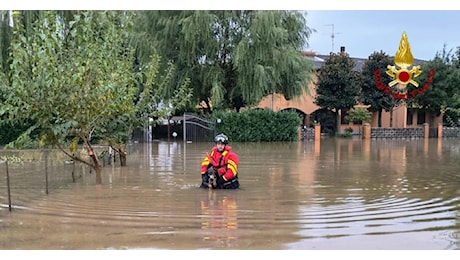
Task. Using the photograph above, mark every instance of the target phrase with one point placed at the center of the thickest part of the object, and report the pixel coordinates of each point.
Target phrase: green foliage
(338, 85)
(271, 62)
(443, 91)
(71, 80)
(5, 38)
(74, 74)
(232, 57)
(72, 77)
(347, 134)
(358, 115)
(348, 130)
(259, 125)
(155, 101)
(9, 132)
(371, 95)
(452, 116)
(12, 159)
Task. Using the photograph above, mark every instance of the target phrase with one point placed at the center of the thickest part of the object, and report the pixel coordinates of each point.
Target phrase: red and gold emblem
(403, 73)
(403, 59)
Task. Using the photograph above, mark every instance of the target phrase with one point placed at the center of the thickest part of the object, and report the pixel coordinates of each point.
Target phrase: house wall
(399, 118)
(305, 104)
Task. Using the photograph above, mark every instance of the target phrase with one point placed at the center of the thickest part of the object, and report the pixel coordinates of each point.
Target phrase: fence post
(366, 131)
(185, 129)
(317, 132)
(439, 130)
(426, 129)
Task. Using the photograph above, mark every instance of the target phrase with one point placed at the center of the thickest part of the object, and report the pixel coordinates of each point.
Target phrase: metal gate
(198, 129)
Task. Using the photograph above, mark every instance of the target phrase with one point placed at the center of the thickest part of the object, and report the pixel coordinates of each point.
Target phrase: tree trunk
(97, 167)
(122, 154)
(96, 164)
(98, 170)
(122, 158)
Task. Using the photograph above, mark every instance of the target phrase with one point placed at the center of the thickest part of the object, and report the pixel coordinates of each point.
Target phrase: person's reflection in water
(219, 213)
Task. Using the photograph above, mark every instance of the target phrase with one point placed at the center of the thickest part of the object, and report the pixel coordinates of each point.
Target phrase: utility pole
(333, 33)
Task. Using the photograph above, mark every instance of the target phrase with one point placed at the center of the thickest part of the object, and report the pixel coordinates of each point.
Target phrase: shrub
(259, 125)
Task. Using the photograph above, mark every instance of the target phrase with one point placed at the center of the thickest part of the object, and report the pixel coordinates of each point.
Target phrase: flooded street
(336, 194)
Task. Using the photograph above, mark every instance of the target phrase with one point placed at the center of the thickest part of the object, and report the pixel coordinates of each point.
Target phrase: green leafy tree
(370, 94)
(338, 85)
(70, 78)
(9, 131)
(5, 37)
(443, 91)
(451, 111)
(233, 57)
(152, 104)
(358, 116)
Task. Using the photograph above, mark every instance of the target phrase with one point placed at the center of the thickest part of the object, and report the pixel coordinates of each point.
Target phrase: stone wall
(392, 133)
(451, 132)
(396, 133)
(308, 134)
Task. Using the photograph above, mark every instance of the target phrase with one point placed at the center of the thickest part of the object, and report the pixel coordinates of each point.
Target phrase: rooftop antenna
(333, 33)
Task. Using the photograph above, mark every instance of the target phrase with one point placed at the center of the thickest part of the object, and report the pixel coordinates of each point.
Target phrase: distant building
(403, 117)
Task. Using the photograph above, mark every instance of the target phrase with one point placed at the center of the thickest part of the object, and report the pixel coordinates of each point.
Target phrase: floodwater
(333, 194)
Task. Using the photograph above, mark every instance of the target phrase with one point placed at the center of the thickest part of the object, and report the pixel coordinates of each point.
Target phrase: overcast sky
(358, 25)
(363, 32)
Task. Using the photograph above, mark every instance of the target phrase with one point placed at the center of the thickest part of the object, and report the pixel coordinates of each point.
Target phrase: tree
(358, 116)
(5, 37)
(370, 94)
(338, 85)
(152, 103)
(451, 112)
(443, 91)
(9, 131)
(233, 58)
(70, 79)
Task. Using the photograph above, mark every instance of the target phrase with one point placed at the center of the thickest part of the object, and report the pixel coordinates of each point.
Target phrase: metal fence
(197, 129)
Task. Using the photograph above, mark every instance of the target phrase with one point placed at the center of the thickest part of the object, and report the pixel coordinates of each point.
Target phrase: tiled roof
(319, 60)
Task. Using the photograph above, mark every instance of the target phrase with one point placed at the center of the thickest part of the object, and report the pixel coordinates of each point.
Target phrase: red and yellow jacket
(227, 160)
